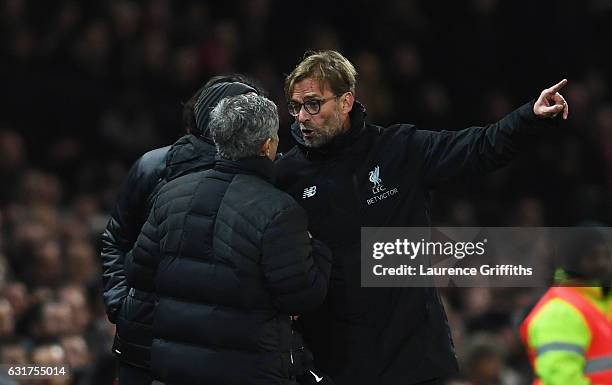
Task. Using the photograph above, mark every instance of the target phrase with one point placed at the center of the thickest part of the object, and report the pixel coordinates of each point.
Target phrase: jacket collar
(189, 154)
(340, 142)
(255, 165)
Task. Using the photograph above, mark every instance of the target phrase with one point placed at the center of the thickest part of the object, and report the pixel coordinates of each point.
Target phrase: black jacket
(384, 335)
(132, 309)
(230, 259)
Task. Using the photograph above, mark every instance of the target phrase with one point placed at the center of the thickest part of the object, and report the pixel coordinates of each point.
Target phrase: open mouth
(306, 132)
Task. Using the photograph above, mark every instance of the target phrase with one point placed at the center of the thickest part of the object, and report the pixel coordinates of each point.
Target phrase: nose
(303, 116)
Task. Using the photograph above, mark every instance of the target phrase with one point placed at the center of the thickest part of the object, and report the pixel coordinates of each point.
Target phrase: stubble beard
(324, 134)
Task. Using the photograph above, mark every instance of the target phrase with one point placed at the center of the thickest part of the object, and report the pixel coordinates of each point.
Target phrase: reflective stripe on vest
(560, 346)
(599, 364)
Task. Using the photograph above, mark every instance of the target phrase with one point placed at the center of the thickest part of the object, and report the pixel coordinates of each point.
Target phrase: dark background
(86, 87)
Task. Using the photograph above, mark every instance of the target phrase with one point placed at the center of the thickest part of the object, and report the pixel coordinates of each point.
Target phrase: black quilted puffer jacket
(129, 308)
(230, 259)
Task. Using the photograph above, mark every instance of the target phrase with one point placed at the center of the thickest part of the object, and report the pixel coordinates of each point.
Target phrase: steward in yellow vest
(568, 333)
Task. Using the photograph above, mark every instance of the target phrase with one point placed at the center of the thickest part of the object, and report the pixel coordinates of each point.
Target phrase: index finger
(554, 89)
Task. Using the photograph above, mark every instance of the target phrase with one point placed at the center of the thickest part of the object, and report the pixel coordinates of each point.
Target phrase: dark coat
(230, 259)
(131, 309)
(385, 335)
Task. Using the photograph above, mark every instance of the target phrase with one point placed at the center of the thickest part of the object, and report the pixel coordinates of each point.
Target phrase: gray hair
(241, 124)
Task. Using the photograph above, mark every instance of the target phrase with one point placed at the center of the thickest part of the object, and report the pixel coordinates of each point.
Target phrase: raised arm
(477, 150)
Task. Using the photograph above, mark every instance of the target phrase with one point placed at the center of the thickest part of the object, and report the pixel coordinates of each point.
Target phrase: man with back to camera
(131, 309)
(230, 258)
(347, 174)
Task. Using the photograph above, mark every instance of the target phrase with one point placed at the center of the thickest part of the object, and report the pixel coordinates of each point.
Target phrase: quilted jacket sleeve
(142, 261)
(118, 238)
(127, 218)
(295, 266)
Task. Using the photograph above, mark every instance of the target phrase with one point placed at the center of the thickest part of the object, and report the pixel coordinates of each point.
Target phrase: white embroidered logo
(378, 189)
(375, 179)
(309, 192)
(375, 176)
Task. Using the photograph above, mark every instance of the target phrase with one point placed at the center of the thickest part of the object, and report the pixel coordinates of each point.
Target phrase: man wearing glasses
(347, 174)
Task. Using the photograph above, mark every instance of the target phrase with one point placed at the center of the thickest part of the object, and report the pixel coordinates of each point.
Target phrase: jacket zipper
(356, 193)
(291, 342)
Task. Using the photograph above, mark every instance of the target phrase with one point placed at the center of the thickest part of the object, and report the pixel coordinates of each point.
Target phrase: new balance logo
(317, 378)
(309, 192)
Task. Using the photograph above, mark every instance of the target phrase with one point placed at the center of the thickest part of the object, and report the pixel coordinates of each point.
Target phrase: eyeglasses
(312, 106)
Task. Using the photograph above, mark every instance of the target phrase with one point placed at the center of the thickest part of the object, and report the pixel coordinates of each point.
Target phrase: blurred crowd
(87, 87)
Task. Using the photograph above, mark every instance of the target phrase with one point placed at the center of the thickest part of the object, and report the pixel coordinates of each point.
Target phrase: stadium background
(87, 87)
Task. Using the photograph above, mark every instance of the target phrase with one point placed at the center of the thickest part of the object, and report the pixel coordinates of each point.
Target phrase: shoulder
(285, 167)
(558, 321)
(142, 178)
(150, 164)
(394, 129)
(392, 133)
(255, 196)
(154, 158)
(413, 140)
(288, 158)
(557, 308)
(395, 140)
(155, 155)
(183, 185)
(266, 192)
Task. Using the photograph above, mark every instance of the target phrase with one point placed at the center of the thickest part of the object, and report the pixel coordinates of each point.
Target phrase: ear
(265, 148)
(346, 102)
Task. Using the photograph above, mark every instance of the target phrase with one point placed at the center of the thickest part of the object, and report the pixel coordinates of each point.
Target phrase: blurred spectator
(373, 90)
(484, 363)
(529, 212)
(17, 294)
(7, 319)
(75, 297)
(39, 188)
(12, 352)
(50, 320)
(81, 263)
(46, 267)
(3, 272)
(50, 355)
(78, 357)
(12, 153)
